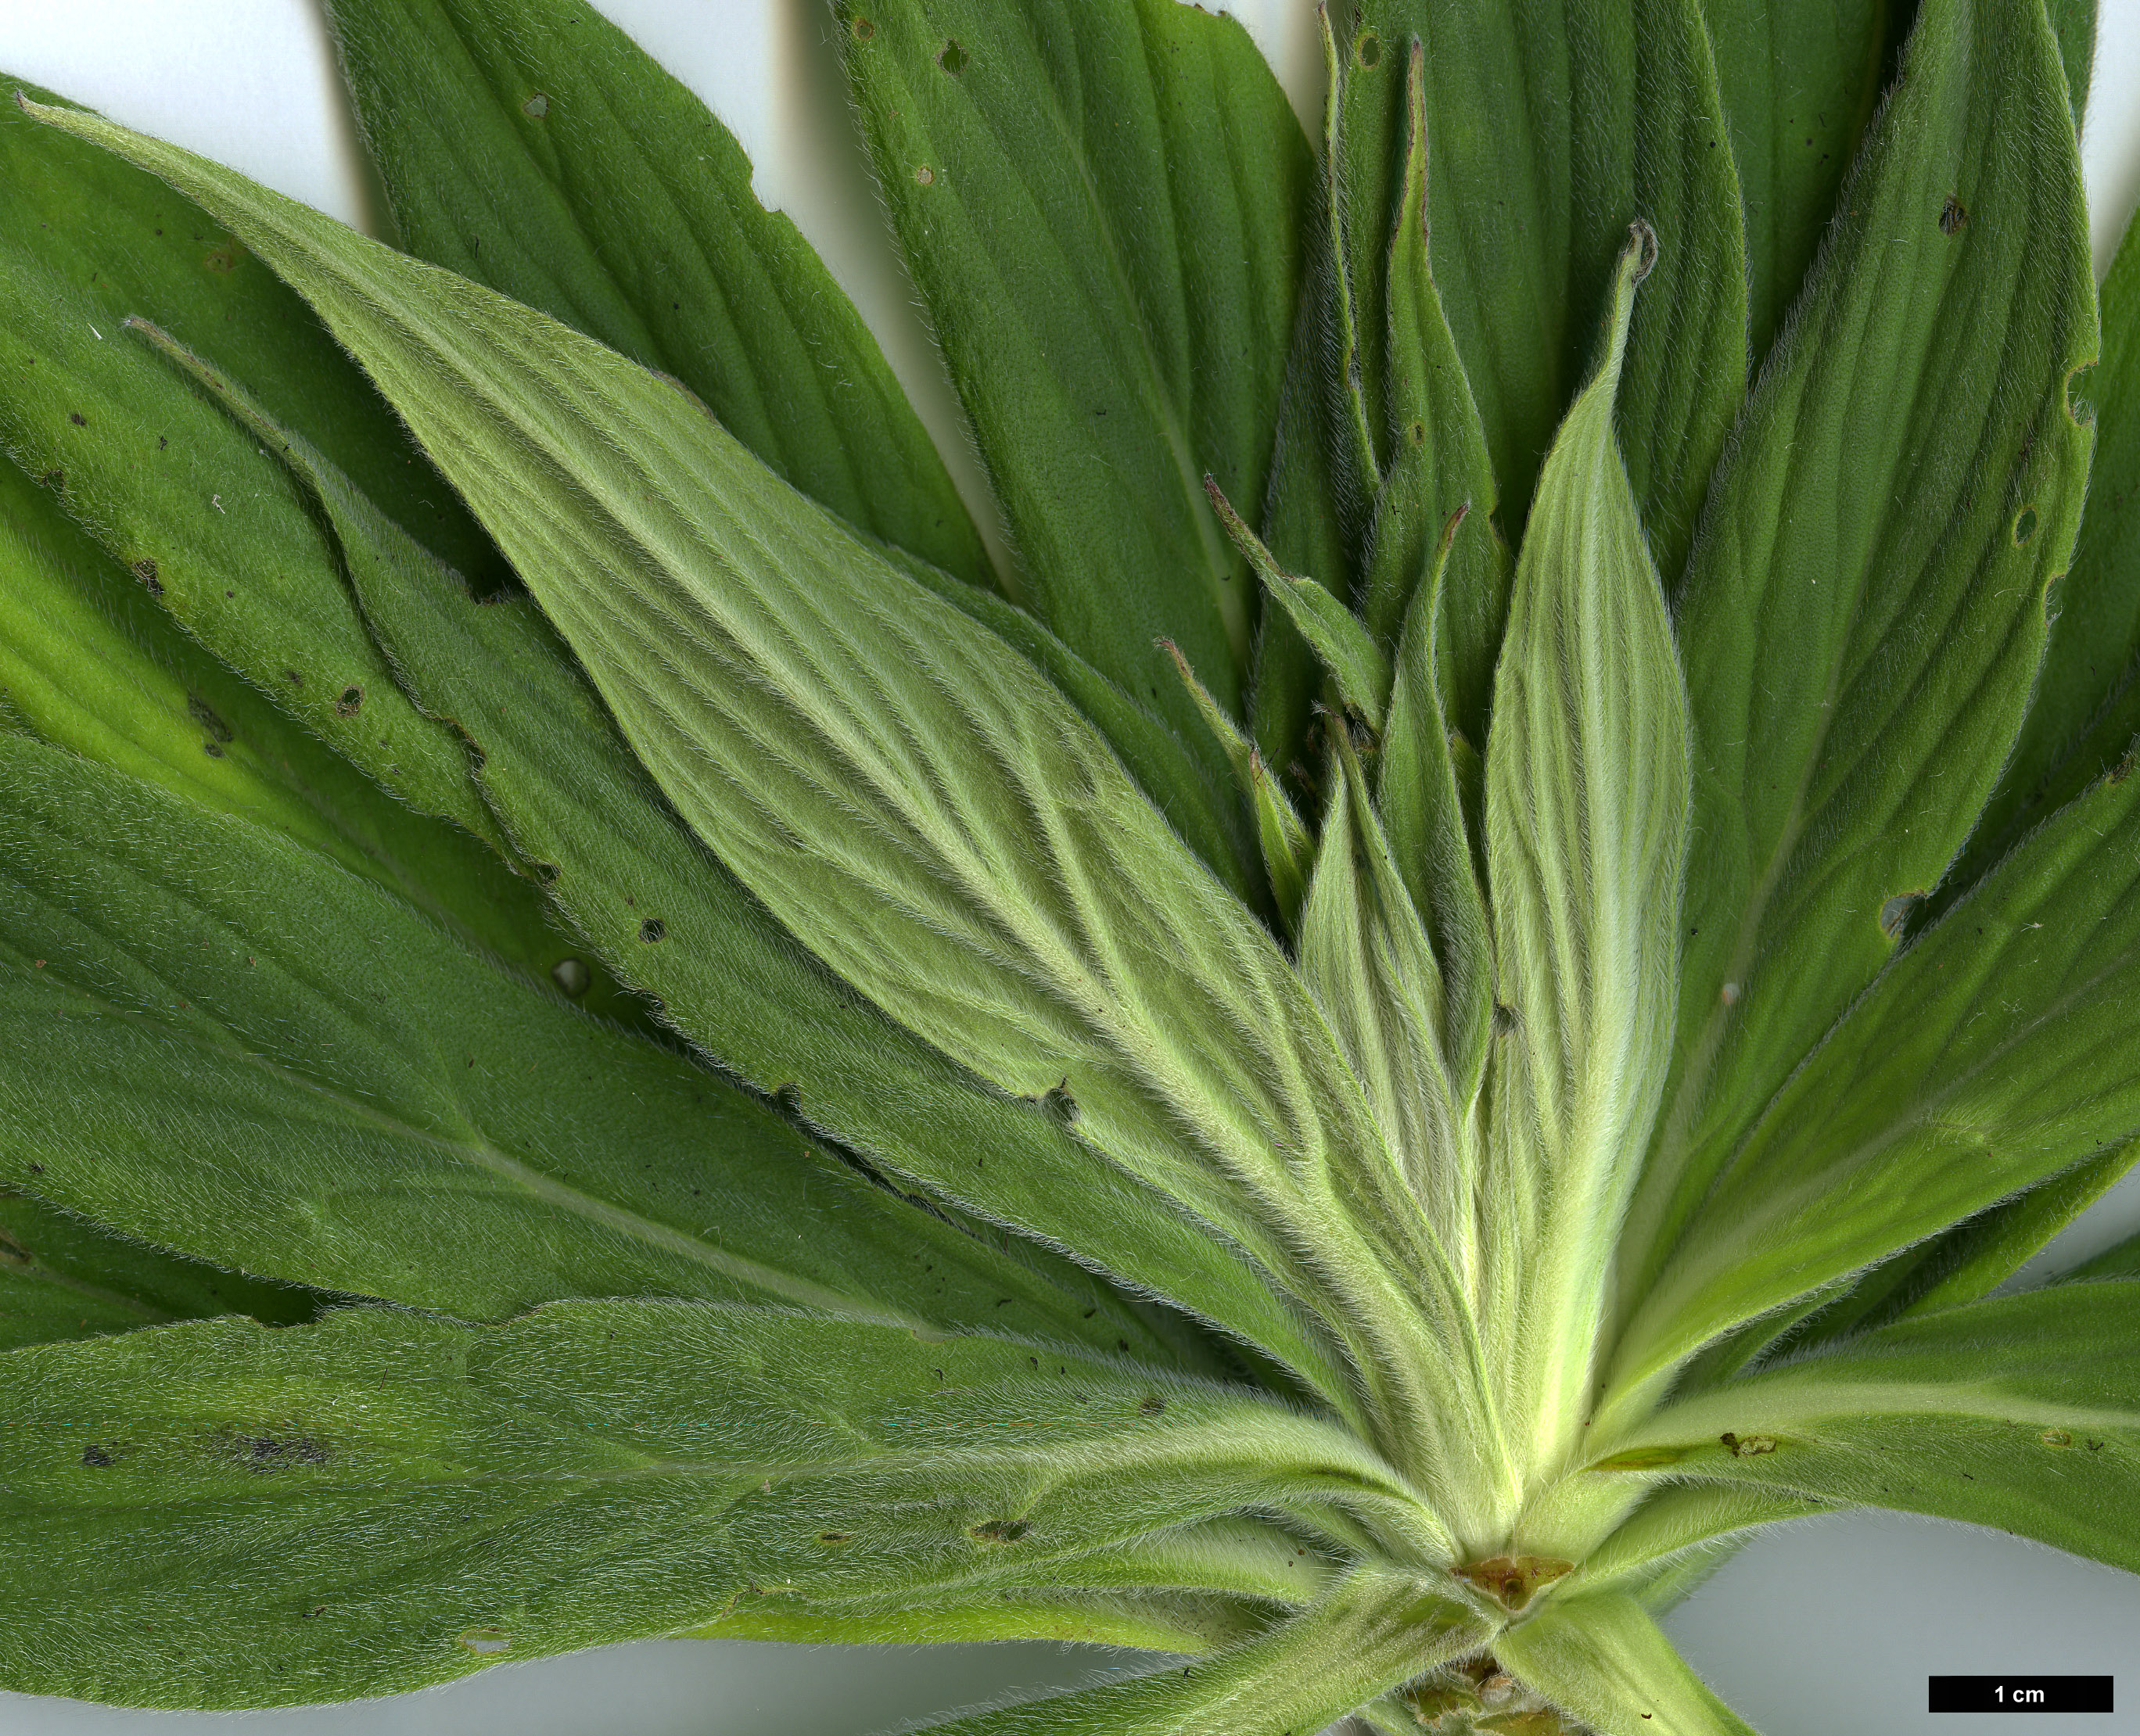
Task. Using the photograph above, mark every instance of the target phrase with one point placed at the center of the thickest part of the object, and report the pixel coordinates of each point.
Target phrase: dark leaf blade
(2017, 1412)
(207, 524)
(90, 663)
(2085, 711)
(1799, 85)
(218, 1073)
(107, 240)
(1099, 204)
(220, 1515)
(1537, 162)
(1992, 1055)
(1856, 674)
(532, 146)
(62, 1276)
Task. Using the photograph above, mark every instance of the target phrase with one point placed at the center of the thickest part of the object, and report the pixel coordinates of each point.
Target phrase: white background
(1829, 1627)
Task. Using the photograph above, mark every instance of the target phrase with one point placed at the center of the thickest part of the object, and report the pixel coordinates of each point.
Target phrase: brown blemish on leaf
(205, 714)
(145, 570)
(1152, 1405)
(1747, 1446)
(835, 1539)
(924, 175)
(1895, 914)
(861, 27)
(224, 259)
(350, 702)
(1953, 214)
(79, 419)
(102, 1455)
(999, 1531)
(2059, 1438)
(1514, 1579)
(652, 929)
(1368, 49)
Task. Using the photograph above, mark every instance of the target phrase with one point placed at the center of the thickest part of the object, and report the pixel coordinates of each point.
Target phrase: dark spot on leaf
(1418, 431)
(79, 419)
(535, 107)
(652, 929)
(952, 58)
(836, 1537)
(546, 873)
(205, 714)
(101, 1457)
(2025, 526)
(55, 480)
(1369, 51)
(1748, 1446)
(999, 1531)
(1953, 214)
(1895, 914)
(1507, 1020)
(163, 443)
(293, 678)
(350, 702)
(862, 28)
(1059, 1104)
(267, 1453)
(571, 976)
(212, 749)
(1150, 1405)
(145, 570)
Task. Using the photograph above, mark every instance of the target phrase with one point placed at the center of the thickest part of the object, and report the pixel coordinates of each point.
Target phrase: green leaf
(532, 146)
(773, 733)
(1099, 204)
(1422, 810)
(1799, 85)
(1373, 1631)
(1603, 1660)
(62, 1276)
(252, 1055)
(1856, 674)
(2120, 1259)
(656, 906)
(1679, 1524)
(1993, 1054)
(1586, 830)
(88, 662)
(207, 523)
(2085, 710)
(2019, 1413)
(1537, 162)
(1438, 466)
(1360, 667)
(219, 1514)
(1366, 957)
(91, 239)
(2074, 23)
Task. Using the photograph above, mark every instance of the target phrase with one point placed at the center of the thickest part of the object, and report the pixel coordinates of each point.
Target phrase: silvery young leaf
(1365, 953)
(218, 1514)
(109, 240)
(1099, 201)
(88, 662)
(62, 1276)
(1375, 1629)
(1437, 465)
(1679, 1523)
(1585, 826)
(1422, 811)
(1604, 1661)
(1856, 674)
(649, 899)
(895, 804)
(2018, 1412)
(1800, 84)
(1536, 160)
(2085, 710)
(245, 1052)
(1994, 1052)
(207, 523)
(532, 146)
